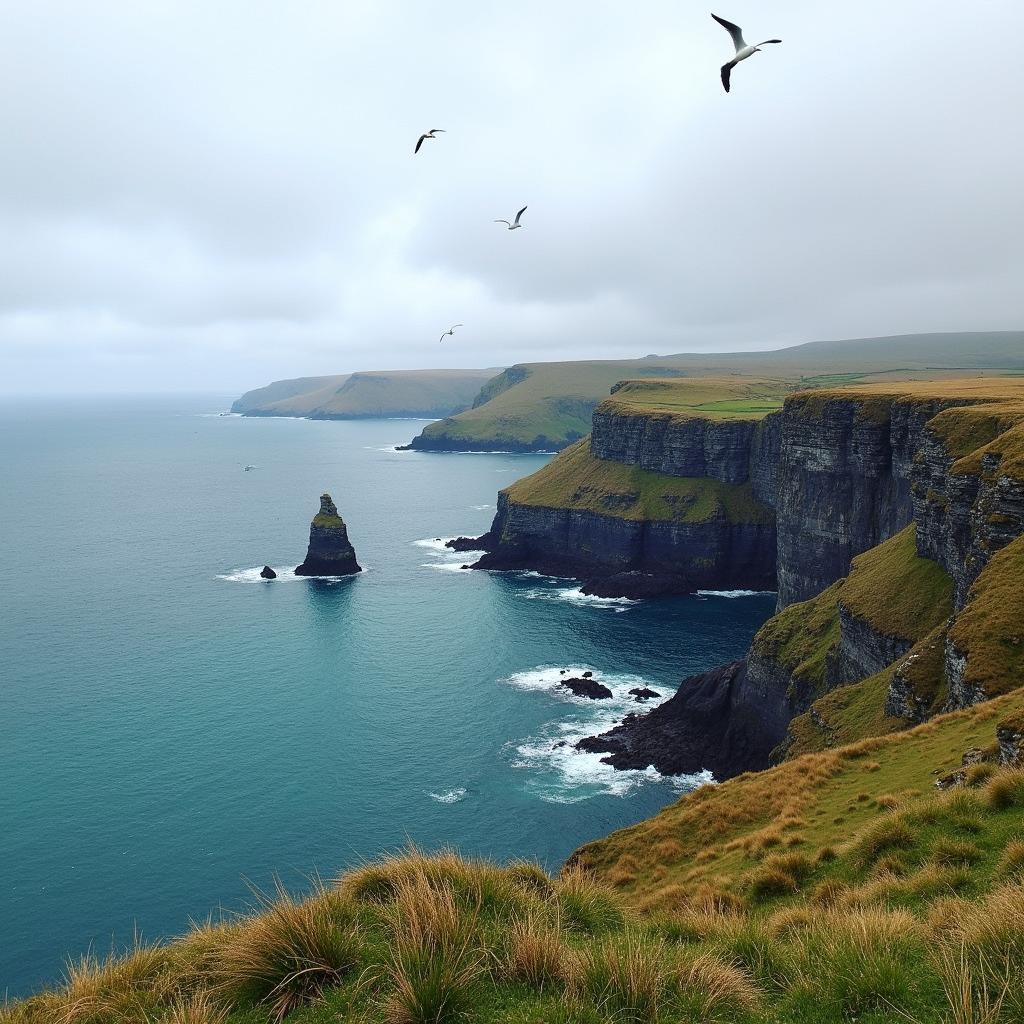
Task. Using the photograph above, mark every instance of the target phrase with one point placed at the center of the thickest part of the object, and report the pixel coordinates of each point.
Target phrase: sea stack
(330, 553)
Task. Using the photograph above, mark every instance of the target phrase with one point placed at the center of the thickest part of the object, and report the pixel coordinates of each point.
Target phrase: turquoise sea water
(174, 728)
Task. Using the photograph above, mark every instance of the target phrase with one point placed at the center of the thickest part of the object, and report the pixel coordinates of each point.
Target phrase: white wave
(285, 574)
(562, 774)
(462, 565)
(733, 593)
(480, 508)
(253, 575)
(435, 544)
(448, 796)
(576, 597)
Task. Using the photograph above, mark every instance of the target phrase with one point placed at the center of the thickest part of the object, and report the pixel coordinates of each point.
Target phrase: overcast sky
(210, 195)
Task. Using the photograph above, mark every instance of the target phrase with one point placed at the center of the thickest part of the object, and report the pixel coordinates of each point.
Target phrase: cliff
(383, 393)
(330, 553)
(925, 621)
(547, 406)
(627, 530)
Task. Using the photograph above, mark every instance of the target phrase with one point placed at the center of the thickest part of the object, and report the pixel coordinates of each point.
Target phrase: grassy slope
(381, 393)
(575, 479)
(555, 400)
(825, 891)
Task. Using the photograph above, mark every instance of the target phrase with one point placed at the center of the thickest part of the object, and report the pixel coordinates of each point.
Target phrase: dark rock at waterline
(587, 688)
(588, 675)
(330, 553)
(467, 543)
(643, 693)
(267, 573)
(700, 727)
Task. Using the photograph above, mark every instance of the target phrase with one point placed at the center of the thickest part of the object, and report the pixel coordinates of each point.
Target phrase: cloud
(212, 196)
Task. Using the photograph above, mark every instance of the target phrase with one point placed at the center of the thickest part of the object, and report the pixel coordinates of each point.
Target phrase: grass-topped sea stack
(330, 552)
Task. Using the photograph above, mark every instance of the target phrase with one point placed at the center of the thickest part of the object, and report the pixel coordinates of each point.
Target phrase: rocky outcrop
(845, 482)
(684, 446)
(586, 687)
(630, 557)
(965, 511)
(864, 651)
(697, 729)
(267, 573)
(330, 553)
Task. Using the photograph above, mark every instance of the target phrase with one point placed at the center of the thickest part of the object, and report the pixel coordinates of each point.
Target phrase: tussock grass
(199, 1008)
(586, 905)
(537, 954)
(436, 952)
(1005, 790)
(291, 952)
(626, 977)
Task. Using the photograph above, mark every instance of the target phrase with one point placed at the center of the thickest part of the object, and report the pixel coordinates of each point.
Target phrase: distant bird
(743, 48)
(451, 331)
(249, 469)
(432, 134)
(512, 225)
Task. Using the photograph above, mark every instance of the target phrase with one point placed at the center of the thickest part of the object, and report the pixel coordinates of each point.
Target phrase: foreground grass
(919, 916)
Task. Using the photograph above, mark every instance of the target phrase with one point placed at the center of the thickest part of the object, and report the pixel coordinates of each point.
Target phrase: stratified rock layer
(330, 553)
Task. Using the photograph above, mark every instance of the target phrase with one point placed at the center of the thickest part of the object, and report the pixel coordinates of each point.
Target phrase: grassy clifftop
(548, 405)
(708, 397)
(382, 393)
(575, 479)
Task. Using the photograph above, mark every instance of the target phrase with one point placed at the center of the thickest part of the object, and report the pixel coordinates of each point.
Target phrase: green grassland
(576, 480)
(423, 393)
(548, 405)
(708, 397)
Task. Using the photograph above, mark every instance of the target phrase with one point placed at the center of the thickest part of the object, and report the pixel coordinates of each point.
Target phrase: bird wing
(419, 143)
(457, 325)
(726, 72)
(520, 213)
(764, 42)
(434, 131)
(500, 221)
(734, 30)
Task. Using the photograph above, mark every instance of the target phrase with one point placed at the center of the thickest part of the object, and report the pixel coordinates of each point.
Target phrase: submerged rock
(329, 553)
(587, 688)
(643, 693)
(267, 573)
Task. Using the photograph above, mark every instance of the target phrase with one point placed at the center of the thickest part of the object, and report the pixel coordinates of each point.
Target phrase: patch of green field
(575, 479)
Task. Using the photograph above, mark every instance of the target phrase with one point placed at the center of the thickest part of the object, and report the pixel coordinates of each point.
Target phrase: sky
(210, 196)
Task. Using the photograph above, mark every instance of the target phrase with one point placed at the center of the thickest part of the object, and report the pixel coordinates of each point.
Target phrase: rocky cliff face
(845, 466)
(621, 557)
(682, 446)
(330, 553)
(853, 470)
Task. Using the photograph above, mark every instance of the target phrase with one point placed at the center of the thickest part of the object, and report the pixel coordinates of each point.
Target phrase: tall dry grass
(436, 951)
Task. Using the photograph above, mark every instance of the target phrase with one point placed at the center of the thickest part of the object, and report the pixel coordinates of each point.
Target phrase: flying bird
(432, 134)
(743, 48)
(451, 331)
(512, 225)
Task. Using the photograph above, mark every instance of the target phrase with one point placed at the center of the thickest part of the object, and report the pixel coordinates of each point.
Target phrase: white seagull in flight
(432, 134)
(512, 225)
(743, 48)
(451, 331)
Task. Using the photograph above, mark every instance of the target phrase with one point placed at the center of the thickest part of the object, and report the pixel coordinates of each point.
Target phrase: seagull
(743, 48)
(451, 331)
(432, 134)
(512, 225)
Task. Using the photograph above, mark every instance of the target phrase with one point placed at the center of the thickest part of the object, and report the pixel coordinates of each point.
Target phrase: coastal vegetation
(829, 889)
(576, 480)
(547, 406)
(420, 393)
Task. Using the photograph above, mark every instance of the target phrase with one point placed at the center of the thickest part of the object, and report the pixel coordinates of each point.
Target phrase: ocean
(176, 731)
